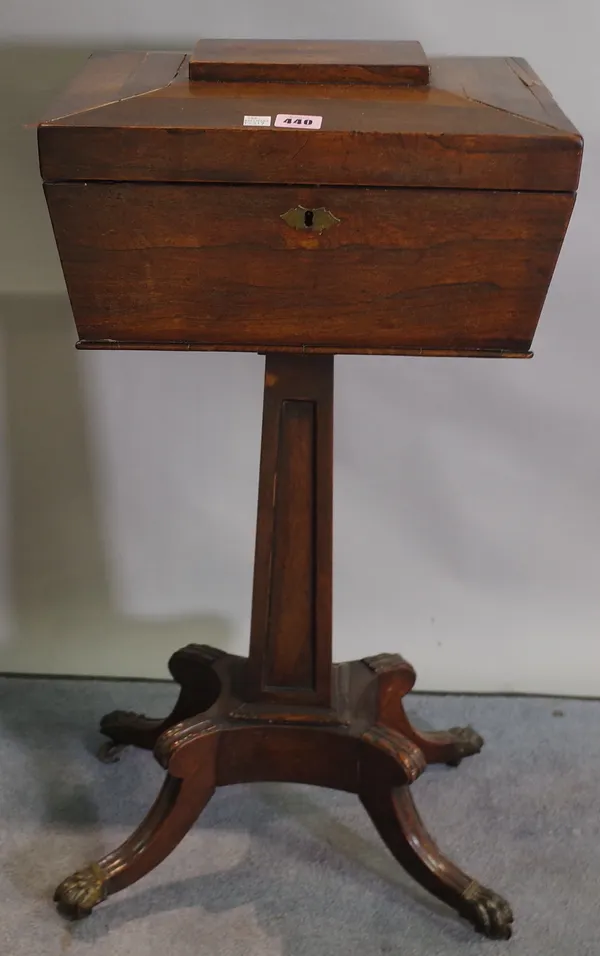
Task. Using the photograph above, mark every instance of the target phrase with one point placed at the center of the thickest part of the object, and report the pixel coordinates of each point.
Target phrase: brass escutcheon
(314, 220)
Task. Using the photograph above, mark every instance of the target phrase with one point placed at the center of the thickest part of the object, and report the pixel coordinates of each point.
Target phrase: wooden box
(350, 197)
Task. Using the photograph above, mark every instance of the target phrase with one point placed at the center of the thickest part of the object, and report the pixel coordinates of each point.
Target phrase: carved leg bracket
(193, 668)
(395, 677)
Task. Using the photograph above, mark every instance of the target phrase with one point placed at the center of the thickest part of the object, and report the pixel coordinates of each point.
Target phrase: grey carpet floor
(283, 870)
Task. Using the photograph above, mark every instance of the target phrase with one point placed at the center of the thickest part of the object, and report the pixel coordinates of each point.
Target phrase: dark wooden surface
(218, 266)
(388, 62)
(303, 350)
(508, 84)
(113, 77)
(290, 636)
(482, 123)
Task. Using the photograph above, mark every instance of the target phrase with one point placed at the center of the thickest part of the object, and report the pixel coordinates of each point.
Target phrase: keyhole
(308, 218)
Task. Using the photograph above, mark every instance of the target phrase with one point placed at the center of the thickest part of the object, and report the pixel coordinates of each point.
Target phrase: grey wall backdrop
(467, 493)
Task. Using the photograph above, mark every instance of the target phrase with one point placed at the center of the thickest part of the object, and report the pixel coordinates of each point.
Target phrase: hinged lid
(480, 123)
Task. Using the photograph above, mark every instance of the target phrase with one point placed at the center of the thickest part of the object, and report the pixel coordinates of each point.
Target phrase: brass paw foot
(489, 913)
(465, 743)
(126, 728)
(77, 896)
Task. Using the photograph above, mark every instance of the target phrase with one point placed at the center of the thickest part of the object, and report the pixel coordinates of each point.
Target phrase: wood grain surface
(217, 266)
(290, 638)
(387, 62)
(482, 123)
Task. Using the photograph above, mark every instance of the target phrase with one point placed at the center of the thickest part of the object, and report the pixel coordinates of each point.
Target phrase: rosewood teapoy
(303, 200)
